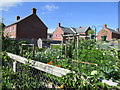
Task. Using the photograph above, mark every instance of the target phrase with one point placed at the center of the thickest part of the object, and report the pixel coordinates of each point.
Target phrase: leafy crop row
(91, 65)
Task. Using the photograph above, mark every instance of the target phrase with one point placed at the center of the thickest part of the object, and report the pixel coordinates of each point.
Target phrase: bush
(55, 46)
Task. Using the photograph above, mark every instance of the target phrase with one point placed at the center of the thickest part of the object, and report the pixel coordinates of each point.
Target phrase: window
(56, 35)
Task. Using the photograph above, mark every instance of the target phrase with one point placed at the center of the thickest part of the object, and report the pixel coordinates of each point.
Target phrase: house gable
(31, 27)
(57, 34)
(110, 33)
(10, 31)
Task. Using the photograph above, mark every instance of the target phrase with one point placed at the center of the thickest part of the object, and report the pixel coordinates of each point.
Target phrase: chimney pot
(105, 25)
(33, 10)
(17, 17)
(59, 24)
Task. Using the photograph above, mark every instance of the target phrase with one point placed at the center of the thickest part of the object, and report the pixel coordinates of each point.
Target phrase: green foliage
(37, 49)
(98, 64)
(22, 79)
(55, 46)
(90, 32)
(106, 60)
(12, 46)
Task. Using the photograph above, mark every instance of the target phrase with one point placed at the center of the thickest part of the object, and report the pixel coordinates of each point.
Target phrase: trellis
(72, 37)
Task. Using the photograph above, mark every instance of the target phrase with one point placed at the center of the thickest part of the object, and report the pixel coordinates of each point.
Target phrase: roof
(82, 30)
(24, 19)
(113, 30)
(66, 30)
(20, 20)
(73, 30)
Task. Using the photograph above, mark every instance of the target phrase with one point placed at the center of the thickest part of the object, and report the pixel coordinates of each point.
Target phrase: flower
(50, 62)
(103, 53)
(57, 65)
(109, 82)
(68, 68)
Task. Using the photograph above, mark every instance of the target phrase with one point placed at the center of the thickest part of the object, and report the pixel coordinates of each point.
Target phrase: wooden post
(77, 44)
(65, 51)
(62, 44)
(33, 51)
(22, 50)
(14, 66)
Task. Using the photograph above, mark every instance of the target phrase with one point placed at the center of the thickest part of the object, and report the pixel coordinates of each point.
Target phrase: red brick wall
(57, 34)
(109, 34)
(10, 31)
(31, 28)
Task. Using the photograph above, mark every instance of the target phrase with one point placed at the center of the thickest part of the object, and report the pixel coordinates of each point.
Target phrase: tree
(90, 32)
(2, 26)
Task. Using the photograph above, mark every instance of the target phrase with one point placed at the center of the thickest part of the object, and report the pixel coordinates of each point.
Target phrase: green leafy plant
(89, 63)
(90, 32)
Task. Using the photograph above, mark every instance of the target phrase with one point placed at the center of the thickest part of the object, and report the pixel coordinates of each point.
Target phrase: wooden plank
(14, 66)
(57, 71)
(85, 62)
(28, 44)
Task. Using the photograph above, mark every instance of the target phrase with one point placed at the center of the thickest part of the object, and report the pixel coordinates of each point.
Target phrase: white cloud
(6, 4)
(51, 30)
(43, 13)
(50, 7)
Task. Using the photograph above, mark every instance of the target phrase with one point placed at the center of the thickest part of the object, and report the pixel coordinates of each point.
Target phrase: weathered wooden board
(57, 71)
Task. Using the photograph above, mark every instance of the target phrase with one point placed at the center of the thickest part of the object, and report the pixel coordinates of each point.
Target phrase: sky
(69, 14)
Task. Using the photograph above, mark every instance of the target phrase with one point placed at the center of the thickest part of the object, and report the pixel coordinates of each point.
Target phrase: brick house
(111, 34)
(60, 30)
(30, 27)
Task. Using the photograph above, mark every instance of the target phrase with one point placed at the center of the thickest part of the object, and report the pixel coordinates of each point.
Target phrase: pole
(95, 34)
(65, 51)
(22, 51)
(77, 45)
(14, 66)
(33, 51)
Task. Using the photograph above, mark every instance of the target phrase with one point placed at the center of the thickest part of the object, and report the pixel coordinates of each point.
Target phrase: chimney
(59, 24)
(117, 29)
(33, 11)
(17, 17)
(105, 25)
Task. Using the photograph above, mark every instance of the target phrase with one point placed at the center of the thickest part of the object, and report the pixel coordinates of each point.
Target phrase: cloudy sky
(69, 14)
